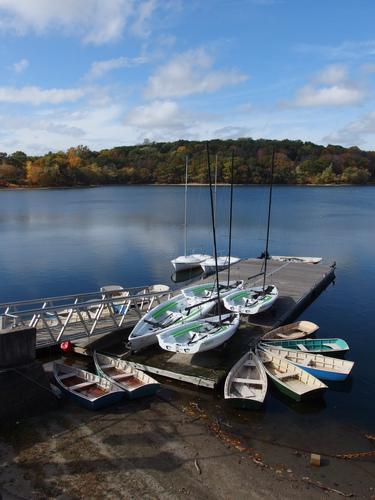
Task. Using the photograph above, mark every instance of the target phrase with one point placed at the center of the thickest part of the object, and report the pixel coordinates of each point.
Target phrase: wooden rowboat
(297, 330)
(85, 388)
(289, 378)
(246, 382)
(134, 382)
(322, 367)
(316, 346)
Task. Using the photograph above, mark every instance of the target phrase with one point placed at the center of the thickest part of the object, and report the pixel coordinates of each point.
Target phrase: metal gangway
(72, 317)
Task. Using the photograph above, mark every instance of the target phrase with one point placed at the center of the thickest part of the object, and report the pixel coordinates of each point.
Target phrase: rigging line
(230, 216)
(213, 231)
(186, 181)
(268, 218)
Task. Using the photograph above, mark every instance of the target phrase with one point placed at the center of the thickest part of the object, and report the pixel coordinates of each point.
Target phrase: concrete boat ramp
(298, 283)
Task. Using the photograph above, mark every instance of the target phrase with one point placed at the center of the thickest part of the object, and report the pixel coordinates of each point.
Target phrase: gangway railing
(75, 316)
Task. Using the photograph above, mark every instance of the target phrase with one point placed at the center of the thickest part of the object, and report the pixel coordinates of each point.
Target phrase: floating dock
(298, 283)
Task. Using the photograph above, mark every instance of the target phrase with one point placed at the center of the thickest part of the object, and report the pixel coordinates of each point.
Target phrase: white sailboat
(184, 262)
(173, 312)
(222, 262)
(199, 336)
(208, 333)
(256, 299)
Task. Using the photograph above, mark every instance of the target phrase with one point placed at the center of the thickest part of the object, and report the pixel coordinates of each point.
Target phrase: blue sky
(108, 73)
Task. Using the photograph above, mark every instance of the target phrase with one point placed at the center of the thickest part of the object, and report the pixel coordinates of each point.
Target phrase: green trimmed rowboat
(289, 378)
(316, 346)
(119, 372)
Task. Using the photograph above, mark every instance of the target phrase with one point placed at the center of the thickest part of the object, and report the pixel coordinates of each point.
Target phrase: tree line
(296, 162)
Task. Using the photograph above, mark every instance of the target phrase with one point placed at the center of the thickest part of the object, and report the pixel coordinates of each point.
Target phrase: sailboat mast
(230, 216)
(185, 222)
(213, 231)
(268, 219)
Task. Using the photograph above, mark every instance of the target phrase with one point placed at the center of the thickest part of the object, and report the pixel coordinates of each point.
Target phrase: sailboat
(222, 262)
(256, 299)
(209, 290)
(176, 311)
(184, 262)
(205, 334)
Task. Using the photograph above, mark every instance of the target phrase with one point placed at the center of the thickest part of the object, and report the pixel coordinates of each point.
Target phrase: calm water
(75, 240)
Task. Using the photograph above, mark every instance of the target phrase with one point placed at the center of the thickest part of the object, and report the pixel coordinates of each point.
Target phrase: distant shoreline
(193, 184)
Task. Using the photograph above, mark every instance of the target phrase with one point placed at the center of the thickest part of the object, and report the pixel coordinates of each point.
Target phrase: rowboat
(209, 290)
(173, 312)
(87, 389)
(297, 330)
(322, 367)
(316, 346)
(134, 382)
(199, 336)
(246, 382)
(291, 258)
(208, 265)
(290, 379)
(251, 300)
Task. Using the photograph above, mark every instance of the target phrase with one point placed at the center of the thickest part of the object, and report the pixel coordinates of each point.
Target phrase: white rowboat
(246, 383)
(297, 330)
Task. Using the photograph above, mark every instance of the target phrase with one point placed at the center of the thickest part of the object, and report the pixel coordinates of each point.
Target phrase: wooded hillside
(296, 162)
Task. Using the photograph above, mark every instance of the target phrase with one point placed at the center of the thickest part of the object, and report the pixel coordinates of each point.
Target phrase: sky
(116, 72)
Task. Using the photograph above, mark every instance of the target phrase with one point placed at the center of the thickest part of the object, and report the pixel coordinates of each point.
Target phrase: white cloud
(158, 114)
(145, 11)
(21, 65)
(332, 74)
(330, 88)
(356, 132)
(100, 68)
(37, 96)
(343, 51)
(190, 73)
(95, 21)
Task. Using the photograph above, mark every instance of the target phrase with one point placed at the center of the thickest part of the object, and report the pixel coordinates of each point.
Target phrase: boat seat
(248, 381)
(82, 385)
(105, 367)
(249, 363)
(122, 376)
(286, 376)
(331, 346)
(301, 347)
(67, 375)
